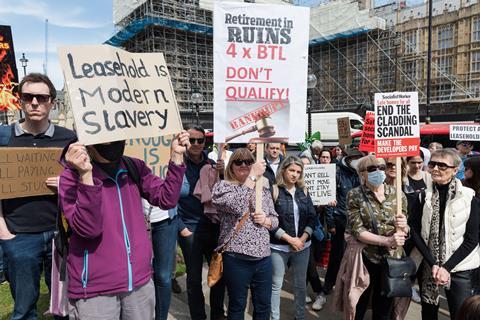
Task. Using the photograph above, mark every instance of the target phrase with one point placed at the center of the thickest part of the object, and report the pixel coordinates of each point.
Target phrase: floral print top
(232, 201)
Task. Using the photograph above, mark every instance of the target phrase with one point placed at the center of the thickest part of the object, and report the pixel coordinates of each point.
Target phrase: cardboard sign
(321, 182)
(260, 75)
(397, 124)
(23, 171)
(344, 134)
(154, 151)
(367, 141)
(117, 95)
(467, 132)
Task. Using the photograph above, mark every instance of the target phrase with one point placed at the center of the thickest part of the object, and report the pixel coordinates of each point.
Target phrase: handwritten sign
(23, 171)
(321, 182)
(467, 132)
(367, 141)
(154, 151)
(344, 134)
(397, 124)
(117, 95)
(260, 74)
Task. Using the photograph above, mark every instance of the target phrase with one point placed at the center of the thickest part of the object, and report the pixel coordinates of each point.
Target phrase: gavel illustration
(262, 125)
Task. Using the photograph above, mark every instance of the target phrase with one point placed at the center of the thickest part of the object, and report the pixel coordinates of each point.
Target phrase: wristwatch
(253, 178)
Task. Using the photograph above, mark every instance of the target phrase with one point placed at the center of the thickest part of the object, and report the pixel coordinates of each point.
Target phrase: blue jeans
(164, 241)
(195, 248)
(239, 275)
(26, 256)
(299, 264)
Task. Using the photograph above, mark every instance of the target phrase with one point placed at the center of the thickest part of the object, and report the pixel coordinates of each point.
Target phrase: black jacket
(269, 174)
(284, 208)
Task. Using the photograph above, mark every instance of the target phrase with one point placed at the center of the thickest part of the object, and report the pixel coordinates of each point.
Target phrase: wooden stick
(398, 186)
(259, 184)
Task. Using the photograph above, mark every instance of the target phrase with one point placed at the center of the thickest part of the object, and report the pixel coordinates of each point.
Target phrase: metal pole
(429, 59)
(309, 112)
(197, 111)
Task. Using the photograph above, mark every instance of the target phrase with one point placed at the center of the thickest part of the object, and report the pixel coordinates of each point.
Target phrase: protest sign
(117, 95)
(154, 151)
(260, 74)
(320, 180)
(23, 171)
(344, 134)
(397, 124)
(467, 132)
(8, 72)
(367, 141)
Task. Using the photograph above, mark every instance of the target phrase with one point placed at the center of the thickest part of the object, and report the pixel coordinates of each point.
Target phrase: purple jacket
(109, 250)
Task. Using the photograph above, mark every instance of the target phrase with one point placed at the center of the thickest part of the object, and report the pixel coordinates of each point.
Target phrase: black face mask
(112, 152)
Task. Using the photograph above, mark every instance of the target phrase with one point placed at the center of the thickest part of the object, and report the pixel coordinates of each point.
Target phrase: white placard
(321, 182)
(397, 124)
(260, 72)
(467, 132)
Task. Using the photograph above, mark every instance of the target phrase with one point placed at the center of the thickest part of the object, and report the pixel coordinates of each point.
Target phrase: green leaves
(309, 140)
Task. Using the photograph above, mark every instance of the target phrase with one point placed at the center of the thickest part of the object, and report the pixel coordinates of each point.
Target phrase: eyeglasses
(41, 98)
(441, 165)
(197, 140)
(391, 165)
(239, 162)
(380, 167)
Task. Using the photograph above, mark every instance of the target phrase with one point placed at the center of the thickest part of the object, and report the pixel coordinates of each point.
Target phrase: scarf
(436, 244)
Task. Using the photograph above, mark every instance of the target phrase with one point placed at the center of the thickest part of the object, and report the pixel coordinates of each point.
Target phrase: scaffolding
(377, 55)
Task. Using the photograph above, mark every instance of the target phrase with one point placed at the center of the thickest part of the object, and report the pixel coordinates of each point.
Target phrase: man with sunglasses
(205, 234)
(465, 150)
(27, 224)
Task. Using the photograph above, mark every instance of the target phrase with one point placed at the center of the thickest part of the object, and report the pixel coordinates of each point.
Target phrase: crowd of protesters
(120, 267)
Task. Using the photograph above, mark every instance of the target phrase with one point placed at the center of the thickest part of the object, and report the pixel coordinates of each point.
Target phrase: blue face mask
(376, 177)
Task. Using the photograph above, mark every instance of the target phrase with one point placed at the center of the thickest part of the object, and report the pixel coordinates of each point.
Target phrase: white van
(326, 123)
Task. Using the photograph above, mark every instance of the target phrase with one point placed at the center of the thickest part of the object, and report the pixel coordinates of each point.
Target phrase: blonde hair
(241, 153)
(366, 161)
(284, 166)
(391, 181)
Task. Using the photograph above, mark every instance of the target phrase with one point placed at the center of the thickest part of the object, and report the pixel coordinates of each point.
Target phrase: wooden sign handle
(259, 184)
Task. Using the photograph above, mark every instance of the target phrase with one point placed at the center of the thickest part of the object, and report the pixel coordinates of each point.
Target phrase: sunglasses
(380, 167)
(391, 165)
(441, 165)
(196, 140)
(466, 144)
(41, 98)
(239, 162)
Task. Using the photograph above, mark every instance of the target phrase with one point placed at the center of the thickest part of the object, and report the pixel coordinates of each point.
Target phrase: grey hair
(448, 152)
(317, 144)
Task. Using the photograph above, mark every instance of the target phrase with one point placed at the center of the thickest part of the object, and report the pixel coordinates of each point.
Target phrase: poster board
(344, 132)
(23, 171)
(466, 132)
(154, 151)
(320, 180)
(117, 95)
(397, 124)
(8, 72)
(367, 140)
(260, 72)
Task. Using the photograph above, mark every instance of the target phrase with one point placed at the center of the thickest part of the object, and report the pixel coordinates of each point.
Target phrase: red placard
(367, 141)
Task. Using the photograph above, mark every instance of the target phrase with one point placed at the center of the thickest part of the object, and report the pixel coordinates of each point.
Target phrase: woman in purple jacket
(109, 260)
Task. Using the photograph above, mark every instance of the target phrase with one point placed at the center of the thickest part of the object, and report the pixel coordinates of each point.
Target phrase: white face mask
(354, 164)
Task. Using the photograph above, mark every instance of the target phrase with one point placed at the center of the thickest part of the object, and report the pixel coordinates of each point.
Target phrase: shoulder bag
(215, 269)
(396, 273)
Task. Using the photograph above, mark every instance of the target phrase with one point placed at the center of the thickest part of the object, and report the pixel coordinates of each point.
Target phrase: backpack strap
(133, 172)
(5, 134)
